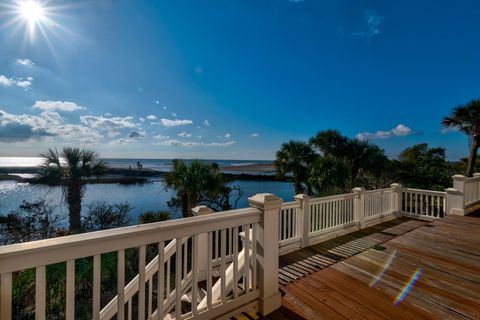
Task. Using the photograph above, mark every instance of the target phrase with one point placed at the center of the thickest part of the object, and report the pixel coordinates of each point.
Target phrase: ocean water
(148, 196)
(142, 197)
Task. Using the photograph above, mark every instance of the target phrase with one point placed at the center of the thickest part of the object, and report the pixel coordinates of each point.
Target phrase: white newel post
(456, 196)
(359, 206)
(397, 197)
(202, 250)
(267, 251)
(304, 218)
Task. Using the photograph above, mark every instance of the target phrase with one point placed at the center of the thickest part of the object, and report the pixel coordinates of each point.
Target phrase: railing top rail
(333, 198)
(437, 193)
(378, 190)
(472, 179)
(43, 252)
(290, 205)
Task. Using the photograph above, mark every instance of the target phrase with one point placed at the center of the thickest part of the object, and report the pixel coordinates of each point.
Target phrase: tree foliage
(199, 183)
(69, 169)
(466, 118)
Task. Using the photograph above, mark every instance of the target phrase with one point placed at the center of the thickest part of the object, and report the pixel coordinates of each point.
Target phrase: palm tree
(364, 157)
(331, 142)
(69, 169)
(295, 157)
(328, 175)
(198, 183)
(466, 118)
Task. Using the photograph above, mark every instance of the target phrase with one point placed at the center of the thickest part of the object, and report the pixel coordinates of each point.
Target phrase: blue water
(148, 196)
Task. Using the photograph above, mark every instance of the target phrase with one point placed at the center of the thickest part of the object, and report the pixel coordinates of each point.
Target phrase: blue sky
(233, 79)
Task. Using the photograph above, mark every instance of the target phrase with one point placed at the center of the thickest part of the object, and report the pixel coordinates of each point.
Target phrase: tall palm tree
(197, 183)
(466, 118)
(69, 169)
(331, 142)
(364, 157)
(295, 157)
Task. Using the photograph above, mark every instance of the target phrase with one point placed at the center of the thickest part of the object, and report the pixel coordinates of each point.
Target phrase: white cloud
(184, 134)
(178, 143)
(446, 130)
(399, 131)
(25, 62)
(164, 107)
(161, 137)
(65, 106)
(151, 117)
(174, 114)
(157, 102)
(206, 123)
(373, 21)
(174, 123)
(133, 136)
(26, 127)
(227, 135)
(142, 120)
(254, 135)
(24, 83)
(111, 125)
(6, 82)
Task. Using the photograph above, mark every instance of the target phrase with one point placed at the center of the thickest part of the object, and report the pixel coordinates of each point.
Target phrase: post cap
(201, 210)
(453, 191)
(358, 189)
(301, 197)
(458, 177)
(396, 185)
(262, 200)
(476, 174)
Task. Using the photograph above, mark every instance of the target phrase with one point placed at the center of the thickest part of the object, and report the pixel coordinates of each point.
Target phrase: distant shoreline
(250, 172)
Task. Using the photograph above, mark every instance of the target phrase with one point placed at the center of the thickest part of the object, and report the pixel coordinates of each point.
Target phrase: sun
(31, 11)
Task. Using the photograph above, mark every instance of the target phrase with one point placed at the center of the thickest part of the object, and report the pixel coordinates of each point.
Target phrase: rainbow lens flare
(408, 286)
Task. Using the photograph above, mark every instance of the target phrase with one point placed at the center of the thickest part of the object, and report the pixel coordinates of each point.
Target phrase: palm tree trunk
(298, 187)
(74, 199)
(473, 156)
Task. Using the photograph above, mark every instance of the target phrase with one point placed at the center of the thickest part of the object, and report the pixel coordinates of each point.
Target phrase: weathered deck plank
(336, 279)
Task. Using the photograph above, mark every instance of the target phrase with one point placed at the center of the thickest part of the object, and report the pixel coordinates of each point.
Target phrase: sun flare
(31, 11)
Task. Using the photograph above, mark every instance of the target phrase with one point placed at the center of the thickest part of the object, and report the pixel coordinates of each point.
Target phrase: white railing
(288, 223)
(328, 213)
(423, 203)
(472, 190)
(378, 203)
(172, 267)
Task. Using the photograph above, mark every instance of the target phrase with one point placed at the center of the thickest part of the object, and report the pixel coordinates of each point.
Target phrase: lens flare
(386, 266)
(408, 286)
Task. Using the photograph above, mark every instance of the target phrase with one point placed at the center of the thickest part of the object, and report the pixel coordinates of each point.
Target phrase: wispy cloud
(206, 123)
(372, 27)
(111, 125)
(174, 123)
(151, 117)
(133, 136)
(178, 143)
(254, 135)
(184, 134)
(399, 131)
(24, 83)
(25, 62)
(227, 135)
(65, 106)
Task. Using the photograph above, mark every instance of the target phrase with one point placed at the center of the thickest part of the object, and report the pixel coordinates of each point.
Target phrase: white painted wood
(178, 280)
(141, 279)
(223, 294)
(195, 275)
(6, 296)
(161, 280)
(97, 261)
(120, 284)
(209, 271)
(40, 288)
(70, 290)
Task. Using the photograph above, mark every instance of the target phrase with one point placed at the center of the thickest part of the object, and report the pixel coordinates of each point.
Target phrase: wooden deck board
(334, 279)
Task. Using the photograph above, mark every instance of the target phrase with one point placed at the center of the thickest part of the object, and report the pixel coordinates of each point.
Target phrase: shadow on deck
(401, 269)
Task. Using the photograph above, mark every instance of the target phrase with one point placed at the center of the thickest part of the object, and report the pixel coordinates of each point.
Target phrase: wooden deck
(363, 275)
